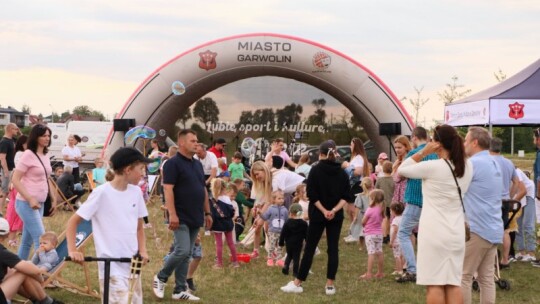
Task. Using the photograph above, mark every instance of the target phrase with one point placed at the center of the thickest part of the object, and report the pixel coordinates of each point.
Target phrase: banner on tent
(515, 111)
(466, 114)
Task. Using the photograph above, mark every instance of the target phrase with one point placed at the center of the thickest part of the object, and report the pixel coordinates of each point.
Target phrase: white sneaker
(292, 288)
(158, 287)
(330, 290)
(184, 295)
(350, 239)
(519, 256)
(528, 258)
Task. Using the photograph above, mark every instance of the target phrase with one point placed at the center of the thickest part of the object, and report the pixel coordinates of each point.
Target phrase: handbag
(47, 204)
(467, 227)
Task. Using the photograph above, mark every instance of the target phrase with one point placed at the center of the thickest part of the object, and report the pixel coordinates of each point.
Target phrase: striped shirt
(413, 191)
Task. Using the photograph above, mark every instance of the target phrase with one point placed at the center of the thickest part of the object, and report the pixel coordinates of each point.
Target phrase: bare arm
(71, 231)
(518, 190)
(29, 269)
(174, 222)
(3, 161)
(141, 241)
(207, 218)
(16, 180)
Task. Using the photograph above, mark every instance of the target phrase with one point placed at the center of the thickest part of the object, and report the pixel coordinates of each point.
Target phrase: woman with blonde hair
(261, 192)
(402, 146)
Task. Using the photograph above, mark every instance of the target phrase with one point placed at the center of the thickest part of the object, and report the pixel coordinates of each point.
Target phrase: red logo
(321, 60)
(516, 110)
(208, 60)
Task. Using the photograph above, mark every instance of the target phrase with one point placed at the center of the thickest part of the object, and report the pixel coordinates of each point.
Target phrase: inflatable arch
(217, 63)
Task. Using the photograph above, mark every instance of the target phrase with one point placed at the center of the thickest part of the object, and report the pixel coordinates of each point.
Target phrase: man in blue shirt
(483, 211)
(413, 209)
(536, 168)
(186, 200)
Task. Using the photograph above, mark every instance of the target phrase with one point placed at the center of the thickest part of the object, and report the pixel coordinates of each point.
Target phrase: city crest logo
(321, 61)
(208, 60)
(516, 110)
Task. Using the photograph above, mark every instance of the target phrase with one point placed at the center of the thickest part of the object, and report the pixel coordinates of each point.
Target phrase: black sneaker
(54, 301)
(386, 240)
(407, 277)
(535, 264)
(191, 285)
(504, 266)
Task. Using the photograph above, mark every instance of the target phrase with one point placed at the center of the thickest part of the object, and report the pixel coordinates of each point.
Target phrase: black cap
(124, 157)
(326, 146)
(277, 161)
(221, 140)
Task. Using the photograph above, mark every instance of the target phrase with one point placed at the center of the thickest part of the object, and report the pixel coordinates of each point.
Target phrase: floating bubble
(178, 88)
(247, 147)
(162, 132)
(139, 132)
(154, 166)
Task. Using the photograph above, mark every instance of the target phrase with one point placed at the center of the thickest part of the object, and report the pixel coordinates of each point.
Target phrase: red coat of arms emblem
(516, 110)
(208, 60)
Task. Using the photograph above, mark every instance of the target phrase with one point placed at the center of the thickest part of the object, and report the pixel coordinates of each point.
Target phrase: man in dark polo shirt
(186, 200)
(7, 160)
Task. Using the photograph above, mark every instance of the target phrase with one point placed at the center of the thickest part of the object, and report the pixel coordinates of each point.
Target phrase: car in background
(344, 152)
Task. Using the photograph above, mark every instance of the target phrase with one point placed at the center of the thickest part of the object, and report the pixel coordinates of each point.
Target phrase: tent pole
(512, 140)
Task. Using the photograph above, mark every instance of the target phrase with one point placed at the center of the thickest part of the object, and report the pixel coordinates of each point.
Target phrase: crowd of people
(446, 195)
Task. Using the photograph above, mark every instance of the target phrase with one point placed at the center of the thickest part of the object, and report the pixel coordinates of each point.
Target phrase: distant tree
(262, 116)
(184, 117)
(206, 110)
(453, 91)
(246, 117)
(289, 115)
(26, 109)
(418, 102)
(319, 117)
(202, 135)
(82, 110)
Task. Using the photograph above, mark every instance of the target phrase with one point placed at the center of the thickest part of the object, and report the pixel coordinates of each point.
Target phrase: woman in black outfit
(328, 192)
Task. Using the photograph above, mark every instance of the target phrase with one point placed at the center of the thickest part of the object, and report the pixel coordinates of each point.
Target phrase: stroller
(512, 206)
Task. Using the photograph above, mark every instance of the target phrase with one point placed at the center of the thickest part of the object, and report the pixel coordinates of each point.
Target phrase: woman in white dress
(441, 236)
(72, 156)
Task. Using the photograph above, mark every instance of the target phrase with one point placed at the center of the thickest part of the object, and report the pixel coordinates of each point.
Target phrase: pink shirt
(374, 221)
(34, 179)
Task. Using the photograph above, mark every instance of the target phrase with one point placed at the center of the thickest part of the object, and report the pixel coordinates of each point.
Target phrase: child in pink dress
(372, 223)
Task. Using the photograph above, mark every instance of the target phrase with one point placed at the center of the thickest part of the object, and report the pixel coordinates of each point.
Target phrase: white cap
(4, 226)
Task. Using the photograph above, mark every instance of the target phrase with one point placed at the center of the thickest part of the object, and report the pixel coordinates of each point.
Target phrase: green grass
(257, 283)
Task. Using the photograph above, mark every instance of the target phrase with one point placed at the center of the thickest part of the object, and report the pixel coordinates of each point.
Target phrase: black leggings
(293, 255)
(315, 230)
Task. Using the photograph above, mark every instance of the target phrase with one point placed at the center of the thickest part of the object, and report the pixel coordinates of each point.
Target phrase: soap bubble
(178, 88)
(154, 166)
(139, 132)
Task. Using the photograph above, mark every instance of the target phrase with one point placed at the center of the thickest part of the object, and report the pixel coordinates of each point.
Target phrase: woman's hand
(34, 204)
(431, 147)
(52, 211)
(76, 256)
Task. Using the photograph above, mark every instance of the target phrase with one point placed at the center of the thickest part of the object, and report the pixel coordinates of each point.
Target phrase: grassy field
(257, 283)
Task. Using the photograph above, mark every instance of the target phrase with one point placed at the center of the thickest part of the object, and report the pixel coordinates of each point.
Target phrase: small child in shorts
(396, 209)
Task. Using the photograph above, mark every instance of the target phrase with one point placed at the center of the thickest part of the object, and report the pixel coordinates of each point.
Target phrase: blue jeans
(178, 260)
(409, 220)
(525, 237)
(32, 227)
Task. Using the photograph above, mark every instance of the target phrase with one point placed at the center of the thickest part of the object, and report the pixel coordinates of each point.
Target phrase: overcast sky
(58, 54)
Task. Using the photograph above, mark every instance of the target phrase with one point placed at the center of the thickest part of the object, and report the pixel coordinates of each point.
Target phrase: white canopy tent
(513, 102)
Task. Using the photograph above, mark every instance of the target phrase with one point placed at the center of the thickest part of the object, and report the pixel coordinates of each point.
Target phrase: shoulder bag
(467, 227)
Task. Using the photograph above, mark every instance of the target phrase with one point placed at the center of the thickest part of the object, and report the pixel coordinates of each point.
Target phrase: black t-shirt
(7, 259)
(7, 147)
(189, 189)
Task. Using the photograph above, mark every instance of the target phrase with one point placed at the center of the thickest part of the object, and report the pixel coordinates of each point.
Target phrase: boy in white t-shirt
(116, 210)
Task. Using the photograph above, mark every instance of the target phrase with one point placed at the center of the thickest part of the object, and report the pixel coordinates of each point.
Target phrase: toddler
(385, 182)
(397, 210)
(275, 216)
(292, 237)
(222, 215)
(372, 222)
(46, 257)
(302, 199)
(361, 204)
(236, 168)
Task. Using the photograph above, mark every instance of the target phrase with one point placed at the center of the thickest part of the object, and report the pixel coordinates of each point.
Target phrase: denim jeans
(33, 227)
(178, 261)
(409, 220)
(525, 237)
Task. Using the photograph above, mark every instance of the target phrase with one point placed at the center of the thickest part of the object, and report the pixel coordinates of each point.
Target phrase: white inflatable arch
(217, 63)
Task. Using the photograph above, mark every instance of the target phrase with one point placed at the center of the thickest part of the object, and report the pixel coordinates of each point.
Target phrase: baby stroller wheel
(503, 284)
(475, 286)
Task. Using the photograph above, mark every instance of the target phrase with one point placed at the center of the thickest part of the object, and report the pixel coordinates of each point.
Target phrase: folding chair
(90, 177)
(84, 232)
(63, 199)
